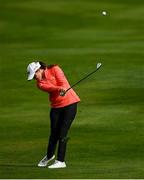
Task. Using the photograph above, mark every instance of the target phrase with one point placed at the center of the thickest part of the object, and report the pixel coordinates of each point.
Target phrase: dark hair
(44, 66)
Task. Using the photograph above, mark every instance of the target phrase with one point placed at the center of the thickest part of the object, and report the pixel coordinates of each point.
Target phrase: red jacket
(55, 80)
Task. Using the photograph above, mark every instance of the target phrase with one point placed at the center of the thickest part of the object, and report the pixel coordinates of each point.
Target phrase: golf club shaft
(82, 79)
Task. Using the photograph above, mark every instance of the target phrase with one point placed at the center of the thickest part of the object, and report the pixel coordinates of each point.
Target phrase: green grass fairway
(107, 137)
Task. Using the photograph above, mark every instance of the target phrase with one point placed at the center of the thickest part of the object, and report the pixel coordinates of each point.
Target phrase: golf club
(62, 93)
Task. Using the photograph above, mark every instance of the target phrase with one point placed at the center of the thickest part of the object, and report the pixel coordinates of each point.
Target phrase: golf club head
(98, 65)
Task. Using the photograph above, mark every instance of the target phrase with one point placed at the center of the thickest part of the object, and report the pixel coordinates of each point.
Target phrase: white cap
(31, 69)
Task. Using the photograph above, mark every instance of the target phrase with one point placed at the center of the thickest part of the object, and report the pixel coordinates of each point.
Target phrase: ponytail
(44, 66)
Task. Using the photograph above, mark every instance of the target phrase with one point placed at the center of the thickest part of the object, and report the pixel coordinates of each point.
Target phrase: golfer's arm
(44, 86)
(59, 74)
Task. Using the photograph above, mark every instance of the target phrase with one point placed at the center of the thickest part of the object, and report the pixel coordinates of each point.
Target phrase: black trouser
(61, 120)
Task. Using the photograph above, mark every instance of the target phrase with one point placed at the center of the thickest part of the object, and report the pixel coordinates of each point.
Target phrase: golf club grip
(82, 79)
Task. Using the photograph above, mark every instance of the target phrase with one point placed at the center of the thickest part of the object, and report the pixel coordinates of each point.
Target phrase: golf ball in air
(104, 13)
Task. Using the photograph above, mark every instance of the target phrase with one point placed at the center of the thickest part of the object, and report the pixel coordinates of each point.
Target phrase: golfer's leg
(54, 136)
(68, 117)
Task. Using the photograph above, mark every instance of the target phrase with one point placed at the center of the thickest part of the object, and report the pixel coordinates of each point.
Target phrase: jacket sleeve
(59, 74)
(48, 87)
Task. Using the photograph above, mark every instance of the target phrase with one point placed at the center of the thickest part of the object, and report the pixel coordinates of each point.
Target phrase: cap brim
(30, 76)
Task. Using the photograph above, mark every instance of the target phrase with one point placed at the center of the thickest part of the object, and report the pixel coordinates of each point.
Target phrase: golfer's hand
(62, 92)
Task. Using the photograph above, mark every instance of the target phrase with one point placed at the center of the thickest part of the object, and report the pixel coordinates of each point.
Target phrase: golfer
(52, 80)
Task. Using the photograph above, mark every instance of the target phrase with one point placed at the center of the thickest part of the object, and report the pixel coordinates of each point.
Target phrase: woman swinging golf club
(52, 80)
